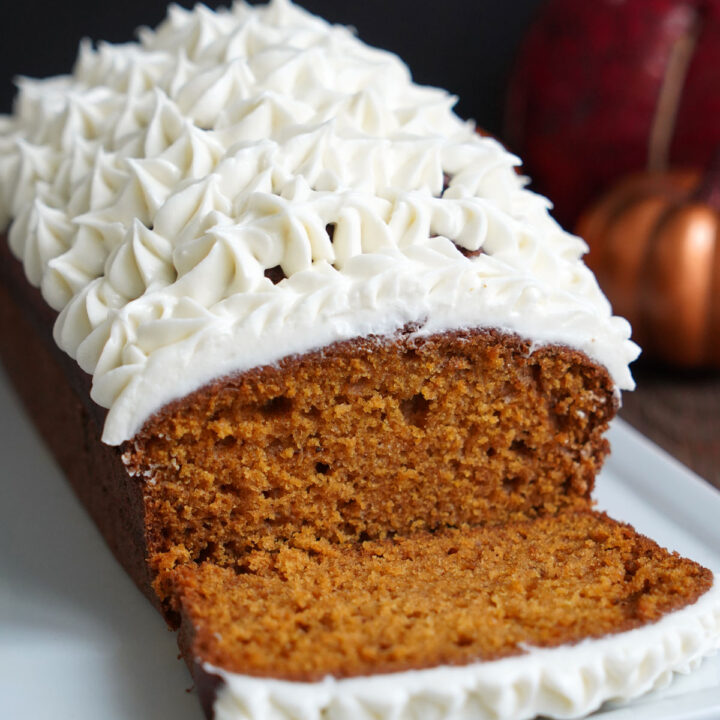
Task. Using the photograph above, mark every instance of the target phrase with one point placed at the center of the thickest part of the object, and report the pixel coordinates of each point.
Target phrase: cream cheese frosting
(152, 190)
(566, 682)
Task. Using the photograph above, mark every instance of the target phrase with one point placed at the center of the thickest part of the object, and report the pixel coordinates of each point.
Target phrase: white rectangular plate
(78, 640)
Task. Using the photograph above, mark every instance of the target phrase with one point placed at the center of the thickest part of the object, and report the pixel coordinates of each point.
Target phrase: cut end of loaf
(370, 439)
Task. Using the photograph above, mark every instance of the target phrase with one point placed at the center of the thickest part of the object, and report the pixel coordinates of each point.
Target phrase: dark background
(466, 46)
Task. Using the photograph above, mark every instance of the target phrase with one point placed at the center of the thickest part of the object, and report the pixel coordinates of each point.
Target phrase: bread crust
(56, 394)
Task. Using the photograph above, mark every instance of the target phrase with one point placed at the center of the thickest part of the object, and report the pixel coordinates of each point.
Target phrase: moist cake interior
(448, 598)
(370, 439)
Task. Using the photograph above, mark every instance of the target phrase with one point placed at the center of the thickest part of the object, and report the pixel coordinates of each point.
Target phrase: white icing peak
(153, 188)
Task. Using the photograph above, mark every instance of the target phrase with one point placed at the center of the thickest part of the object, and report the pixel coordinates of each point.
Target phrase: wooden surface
(680, 411)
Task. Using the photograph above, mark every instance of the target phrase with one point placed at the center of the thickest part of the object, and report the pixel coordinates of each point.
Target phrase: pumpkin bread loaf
(330, 379)
(490, 548)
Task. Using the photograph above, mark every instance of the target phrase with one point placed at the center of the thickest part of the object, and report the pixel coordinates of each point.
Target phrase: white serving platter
(79, 642)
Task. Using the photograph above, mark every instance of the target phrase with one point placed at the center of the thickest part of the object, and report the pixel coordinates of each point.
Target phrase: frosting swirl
(159, 190)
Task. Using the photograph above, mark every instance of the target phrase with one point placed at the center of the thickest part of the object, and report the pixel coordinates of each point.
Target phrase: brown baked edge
(56, 395)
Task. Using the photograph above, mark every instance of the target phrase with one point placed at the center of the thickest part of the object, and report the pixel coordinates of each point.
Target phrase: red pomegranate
(599, 85)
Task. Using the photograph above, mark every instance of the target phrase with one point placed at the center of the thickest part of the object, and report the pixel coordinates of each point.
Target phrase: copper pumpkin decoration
(655, 249)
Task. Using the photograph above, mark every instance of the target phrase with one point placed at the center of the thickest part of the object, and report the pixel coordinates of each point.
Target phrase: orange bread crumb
(372, 438)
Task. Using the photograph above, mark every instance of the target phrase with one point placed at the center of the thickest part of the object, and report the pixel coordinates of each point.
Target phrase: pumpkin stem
(662, 128)
(709, 191)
